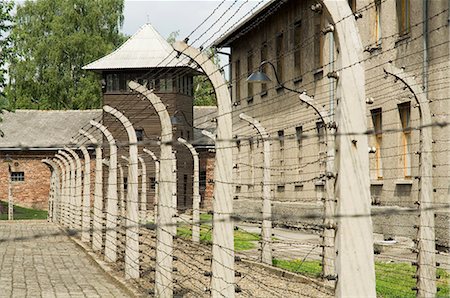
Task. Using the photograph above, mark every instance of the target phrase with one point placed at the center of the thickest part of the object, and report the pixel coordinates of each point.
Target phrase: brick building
(29, 137)
(295, 39)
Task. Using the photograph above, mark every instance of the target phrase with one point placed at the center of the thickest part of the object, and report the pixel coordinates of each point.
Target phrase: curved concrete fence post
(98, 219)
(266, 228)
(62, 181)
(65, 220)
(426, 257)
(209, 135)
(222, 280)
(166, 210)
(111, 197)
(155, 200)
(54, 189)
(132, 221)
(86, 197)
(354, 238)
(78, 199)
(143, 201)
(196, 192)
(72, 181)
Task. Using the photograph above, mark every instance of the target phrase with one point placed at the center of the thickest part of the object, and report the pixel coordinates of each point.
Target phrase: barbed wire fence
(124, 229)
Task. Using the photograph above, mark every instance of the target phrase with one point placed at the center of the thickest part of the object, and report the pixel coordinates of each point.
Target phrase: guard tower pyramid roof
(145, 49)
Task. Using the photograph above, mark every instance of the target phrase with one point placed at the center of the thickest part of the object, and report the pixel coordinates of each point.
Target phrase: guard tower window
(139, 134)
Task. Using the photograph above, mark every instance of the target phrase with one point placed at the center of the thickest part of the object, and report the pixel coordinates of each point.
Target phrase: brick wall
(34, 190)
(207, 160)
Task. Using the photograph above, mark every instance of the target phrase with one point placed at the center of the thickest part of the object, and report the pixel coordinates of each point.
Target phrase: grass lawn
(242, 240)
(21, 212)
(393, 280)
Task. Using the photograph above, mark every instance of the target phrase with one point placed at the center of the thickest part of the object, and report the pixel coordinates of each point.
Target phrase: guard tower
(147, 58)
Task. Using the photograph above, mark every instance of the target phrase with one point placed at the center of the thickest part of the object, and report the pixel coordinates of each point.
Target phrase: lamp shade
(258, 77)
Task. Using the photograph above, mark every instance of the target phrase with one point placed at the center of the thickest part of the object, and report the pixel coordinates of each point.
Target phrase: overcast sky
(184, 15)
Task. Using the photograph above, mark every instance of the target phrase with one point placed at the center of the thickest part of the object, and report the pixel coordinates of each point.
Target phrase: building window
(17, 176)
(404, 110)
(298, 48)
(377, 23)
(152, 183)
(318, 43)
(139, 134)
(299, 136)
(264, 67)
(202, 180)
(125, 183)
(280, 56)
(320, 127)
(377, 127)
(280, 188)
(352, 4)
(298, 187)
(249, 72)
(237, 78)
(281, 138)
(403, 11)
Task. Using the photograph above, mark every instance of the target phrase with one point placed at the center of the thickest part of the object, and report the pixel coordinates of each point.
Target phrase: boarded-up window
(318, 43)
(403, 12)
(249, 72)
(264, 67)
(280, 56)
(298, 48)
(404, 110)
(237, 78)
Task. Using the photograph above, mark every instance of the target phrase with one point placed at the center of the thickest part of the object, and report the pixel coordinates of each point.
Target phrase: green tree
(204, 94)
(53, 40)
(6, 20)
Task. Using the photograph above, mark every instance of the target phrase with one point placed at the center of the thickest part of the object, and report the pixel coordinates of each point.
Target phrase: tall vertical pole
(354, 238)
(143, 190)
(97, 225)
(65, 190)
(72, 183)
(132, 222)
(86, 204)
(164, 230)
(78, 189)
(196, 192)
(266, 228)
(61, 189)
(111, 205)
(426, 270)
(222, 281)
(155, 200)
